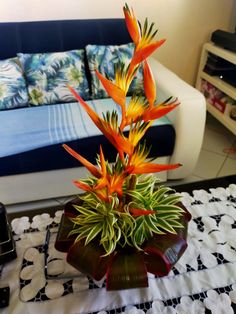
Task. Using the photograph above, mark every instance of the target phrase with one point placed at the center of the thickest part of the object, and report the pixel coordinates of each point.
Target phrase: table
(203, 280)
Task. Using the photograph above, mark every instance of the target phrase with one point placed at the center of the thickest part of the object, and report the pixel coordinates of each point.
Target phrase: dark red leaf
(63, 240)
(127, 270)
(187, 214)
(88, 259)
(162, 252)
(69, 208)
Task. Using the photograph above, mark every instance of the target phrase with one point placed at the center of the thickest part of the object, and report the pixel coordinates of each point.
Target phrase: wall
(186, 24)
(233, 18)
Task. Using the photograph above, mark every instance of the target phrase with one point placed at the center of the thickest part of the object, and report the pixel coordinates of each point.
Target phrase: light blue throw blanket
(26, 129)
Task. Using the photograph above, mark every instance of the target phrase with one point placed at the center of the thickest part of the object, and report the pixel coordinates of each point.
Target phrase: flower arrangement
(123, 224)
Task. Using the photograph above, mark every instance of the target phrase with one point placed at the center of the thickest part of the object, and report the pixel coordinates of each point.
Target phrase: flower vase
(126, 267)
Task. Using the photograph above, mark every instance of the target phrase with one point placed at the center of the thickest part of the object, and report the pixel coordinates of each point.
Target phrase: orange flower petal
(115, 138)
(116, 183)
(132, 25)
(150, 167)
(102, 183)
(121, 143)
(145, 51)
(103, 162)
(149, 84)
(95, 118)
(136, 212)
(135, 110)
(82, 186)
(102, 194)
(158, 111)
(115, 92)
(136, 133)
(94, 171)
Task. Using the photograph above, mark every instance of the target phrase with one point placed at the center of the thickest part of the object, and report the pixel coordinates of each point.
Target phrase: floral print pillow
(104, 58)
(47, 76)
(13, 91)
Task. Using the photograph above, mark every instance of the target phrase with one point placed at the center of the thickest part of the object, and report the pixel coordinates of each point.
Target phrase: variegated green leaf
(168, 216)
(152, 225)
(109, 247)
(136, 196)
(174, 223)
(93, 233)
(166, 226)
(168, 208)
(170, 199)
(83, 210)
(160, 193)
(99, 219)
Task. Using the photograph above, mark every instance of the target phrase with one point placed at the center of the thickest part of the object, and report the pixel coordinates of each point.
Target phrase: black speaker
(224, 39)
(222, 68)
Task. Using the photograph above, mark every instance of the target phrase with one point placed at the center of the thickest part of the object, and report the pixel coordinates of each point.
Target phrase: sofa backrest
(61, 35)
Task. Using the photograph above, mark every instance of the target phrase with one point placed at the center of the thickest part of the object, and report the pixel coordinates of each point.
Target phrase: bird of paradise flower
(138, 114)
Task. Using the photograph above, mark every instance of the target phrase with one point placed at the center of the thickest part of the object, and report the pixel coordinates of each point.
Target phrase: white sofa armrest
(188, 119)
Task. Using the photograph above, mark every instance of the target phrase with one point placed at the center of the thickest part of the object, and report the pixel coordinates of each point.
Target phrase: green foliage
(113, 223)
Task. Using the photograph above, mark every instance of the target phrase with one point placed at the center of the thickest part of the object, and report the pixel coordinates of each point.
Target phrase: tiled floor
(218, 154)
(217, 159)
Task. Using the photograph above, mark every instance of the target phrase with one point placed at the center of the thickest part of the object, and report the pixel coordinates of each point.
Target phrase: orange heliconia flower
(112, 182)
(94, 171)
(94, 117)
(83, 186)
(144, 46)
(132, 24)
(138, 165)
(139, 115)
(136, 212)
(144, 52)
(135, 110)
(159, 111)
(137, 131)
(149, 84)
(102, 182)
(116, 182)
(148, 167)
(113, 90)
(113, 135)
(101, 193)
(107, 184)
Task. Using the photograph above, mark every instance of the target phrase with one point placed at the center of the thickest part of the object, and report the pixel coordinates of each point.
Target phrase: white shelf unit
(226, 88)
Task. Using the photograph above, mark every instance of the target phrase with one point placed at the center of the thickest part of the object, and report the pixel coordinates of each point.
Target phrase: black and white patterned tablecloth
(203, 281)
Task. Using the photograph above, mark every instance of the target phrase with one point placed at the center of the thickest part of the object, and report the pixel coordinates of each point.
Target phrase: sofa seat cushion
(35, 143)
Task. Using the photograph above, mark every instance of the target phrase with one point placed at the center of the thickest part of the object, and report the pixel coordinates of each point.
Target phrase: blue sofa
(45, 170)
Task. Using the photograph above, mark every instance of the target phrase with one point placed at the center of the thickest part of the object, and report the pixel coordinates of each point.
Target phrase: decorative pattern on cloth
(64, 279)
(58, 124)
(203, 280)
(105, 59)
(13, 91)
(48, 73)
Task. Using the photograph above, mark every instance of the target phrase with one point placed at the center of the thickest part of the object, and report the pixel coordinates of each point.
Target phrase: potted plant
(124, 226)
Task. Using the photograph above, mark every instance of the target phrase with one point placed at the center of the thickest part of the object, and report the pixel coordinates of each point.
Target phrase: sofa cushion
(34, 146)
(103, 58)
(13, 92)
(47, 75)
